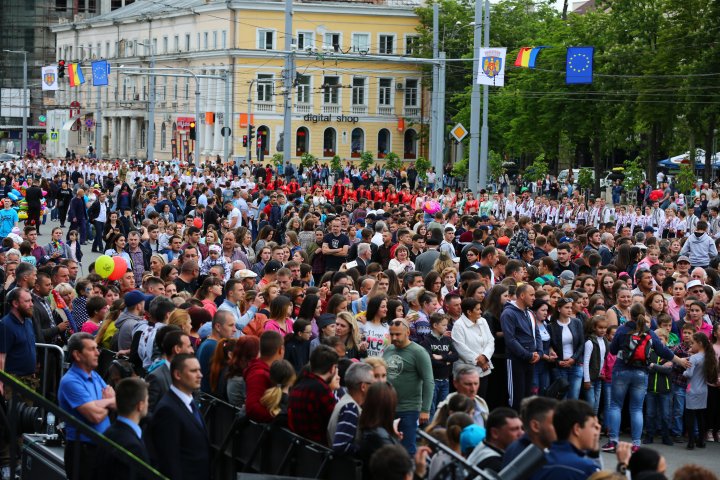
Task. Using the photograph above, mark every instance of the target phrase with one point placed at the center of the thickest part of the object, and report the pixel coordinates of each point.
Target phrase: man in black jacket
(33, 197)
(131, 397)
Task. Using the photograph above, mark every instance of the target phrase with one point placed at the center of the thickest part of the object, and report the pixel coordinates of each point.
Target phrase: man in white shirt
(234, 215)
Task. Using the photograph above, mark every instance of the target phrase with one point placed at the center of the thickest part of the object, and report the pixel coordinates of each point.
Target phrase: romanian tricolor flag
(527, 57)
(75, 74)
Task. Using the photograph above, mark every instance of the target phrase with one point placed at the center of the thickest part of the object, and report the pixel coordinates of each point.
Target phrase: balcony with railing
(411, 111)
(330, 109)
(127, 105)
(303, 107)
(359, 109)
(264, 107)
(386, 110)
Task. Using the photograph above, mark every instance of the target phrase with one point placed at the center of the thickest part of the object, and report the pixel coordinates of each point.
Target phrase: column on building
(113, 137)
(124, 125)
(219, 109)
(209, 107)
(133, 146)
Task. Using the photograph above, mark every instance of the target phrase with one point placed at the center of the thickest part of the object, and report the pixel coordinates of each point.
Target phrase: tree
(633, 171)
(461, 169)
(537, 170)
(422, 165)
(685, 179)
(366, 161)
(495, 165)
(277, 159)
(393, 162)
(336, 164)
(308, 160)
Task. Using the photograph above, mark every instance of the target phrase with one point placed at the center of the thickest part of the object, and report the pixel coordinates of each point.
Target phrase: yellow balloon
(104, 266)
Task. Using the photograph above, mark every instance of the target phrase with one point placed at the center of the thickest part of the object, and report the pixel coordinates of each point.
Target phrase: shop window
(329, 142)
(383, 144)
(357, 140)
(302, 140)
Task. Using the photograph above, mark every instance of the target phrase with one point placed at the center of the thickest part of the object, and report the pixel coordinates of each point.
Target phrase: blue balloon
(17, 193)
(13, 196)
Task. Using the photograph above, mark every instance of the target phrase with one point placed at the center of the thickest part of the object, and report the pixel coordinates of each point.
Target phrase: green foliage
(633, 174)
(685, 178)
(461, 169)
(585, 178)
(308, 160)
(422, 165)
(366, 161)
(393, 162)
(336, 164)
(537, 170)
(277, 159)
(495, 165)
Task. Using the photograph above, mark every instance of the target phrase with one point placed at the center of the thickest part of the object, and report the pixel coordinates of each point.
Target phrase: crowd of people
(355, 310)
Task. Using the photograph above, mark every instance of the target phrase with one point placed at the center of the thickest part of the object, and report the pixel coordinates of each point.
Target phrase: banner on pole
(492, 67)
(49, 78)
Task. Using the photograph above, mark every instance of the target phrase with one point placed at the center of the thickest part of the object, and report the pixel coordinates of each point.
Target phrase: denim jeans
(678, 409)
(541, 378)
(442, 388)
(573, 375)
(606, 392)
(408, 426)
(658, 407)
(592, 396)
(635, 381)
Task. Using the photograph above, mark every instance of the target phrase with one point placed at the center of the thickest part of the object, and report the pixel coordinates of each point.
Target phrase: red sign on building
(183, 123)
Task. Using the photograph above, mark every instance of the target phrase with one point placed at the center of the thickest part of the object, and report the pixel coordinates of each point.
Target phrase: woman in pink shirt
(677, 301)
(281, 309)
(211, 288)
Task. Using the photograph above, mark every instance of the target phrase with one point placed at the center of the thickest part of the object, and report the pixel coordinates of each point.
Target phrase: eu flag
(100, 71)
(579, 67)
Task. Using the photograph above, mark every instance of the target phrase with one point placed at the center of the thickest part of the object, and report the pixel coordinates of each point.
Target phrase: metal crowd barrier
(59, 368)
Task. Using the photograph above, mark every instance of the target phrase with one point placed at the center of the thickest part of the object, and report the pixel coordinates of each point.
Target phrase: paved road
(675, 456)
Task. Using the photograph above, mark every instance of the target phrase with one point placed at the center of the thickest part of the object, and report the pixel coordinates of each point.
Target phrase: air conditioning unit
(399, 86)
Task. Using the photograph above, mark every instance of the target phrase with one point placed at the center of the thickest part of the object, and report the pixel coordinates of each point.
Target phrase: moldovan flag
(76, 75)
(50, 78)
(492, 67)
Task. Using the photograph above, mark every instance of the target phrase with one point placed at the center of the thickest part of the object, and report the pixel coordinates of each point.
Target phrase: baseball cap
(272, 267)
(470, 437)
(649, 229)
(683, 258)
(693, 283)
(245, 273)
(134, 297)
(567, 275)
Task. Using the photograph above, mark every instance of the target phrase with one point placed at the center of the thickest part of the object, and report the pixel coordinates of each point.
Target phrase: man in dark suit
(177, 429)
(131, 397)
(159, 380)
(33, 197)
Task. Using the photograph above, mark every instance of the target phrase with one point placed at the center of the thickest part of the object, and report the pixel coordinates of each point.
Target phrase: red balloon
(121, 267)
(197, 222)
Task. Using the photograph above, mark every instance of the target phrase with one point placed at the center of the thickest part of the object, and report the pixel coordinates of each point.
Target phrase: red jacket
(257, 380)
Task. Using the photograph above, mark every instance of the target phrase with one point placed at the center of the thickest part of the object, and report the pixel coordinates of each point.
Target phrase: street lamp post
(26, 103)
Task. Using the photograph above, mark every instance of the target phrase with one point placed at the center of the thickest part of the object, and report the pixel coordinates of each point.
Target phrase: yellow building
(356, 86)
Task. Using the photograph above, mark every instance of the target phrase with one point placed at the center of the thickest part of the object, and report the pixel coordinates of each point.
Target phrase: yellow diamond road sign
(459, 132)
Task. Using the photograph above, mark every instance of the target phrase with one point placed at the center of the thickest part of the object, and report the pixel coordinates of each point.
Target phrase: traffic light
(251, 133)
(245, 141)
(192, 130)
(61, 69)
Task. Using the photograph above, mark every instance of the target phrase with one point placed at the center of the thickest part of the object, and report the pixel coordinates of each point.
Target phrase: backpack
(636, 350)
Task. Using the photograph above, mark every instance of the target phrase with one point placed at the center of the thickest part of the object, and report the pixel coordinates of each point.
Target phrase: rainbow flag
(527, 56)
(75, 74)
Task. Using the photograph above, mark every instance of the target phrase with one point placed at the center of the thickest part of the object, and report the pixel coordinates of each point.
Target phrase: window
(360, 42)
(224, 39)
(411, 43)
(263, 136)
(411, 93)
(187, 88)
(163, 137)
(359, 92)
(154, 49)
(357, 142)
(264, 87)
(142, 136)
(176, 43)
(187, 42)
(205, 40)
(331, 41)
(107, 49)
(175, 89)
(165, 45)
(305, 40)
(329, 142)
(197, 45)
(410, 144)
(383, 144)
(265, 39)
(303, 89)
(302, 140)
(215, 40)
(331, 93)
(385, 93)
(387, 44)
